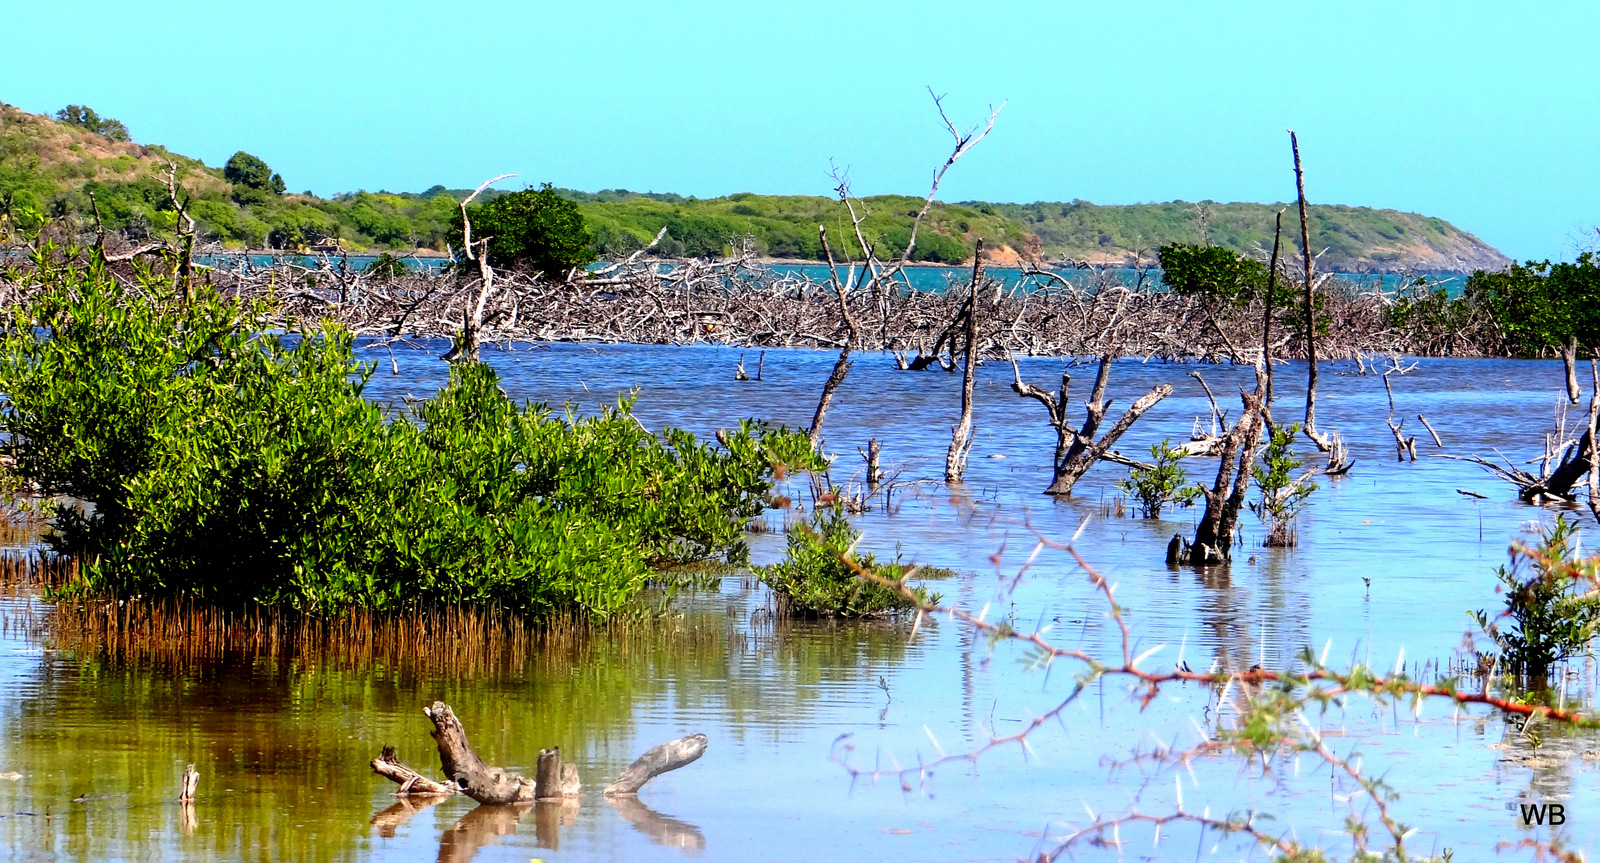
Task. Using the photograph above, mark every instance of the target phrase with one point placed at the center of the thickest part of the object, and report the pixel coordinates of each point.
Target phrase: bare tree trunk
(1594, 432)
(554, 780)
(188, 784)
(1311, 316)
(466, 345)
(841, 367)
(1213, 538)
(1266, 315)
(482, 782)
(1569, 361)
(955, 461)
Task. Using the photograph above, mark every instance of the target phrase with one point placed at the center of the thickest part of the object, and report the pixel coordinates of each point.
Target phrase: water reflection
(486, 825)
(283, 740)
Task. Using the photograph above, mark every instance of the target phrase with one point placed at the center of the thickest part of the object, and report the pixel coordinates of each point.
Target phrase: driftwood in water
(553, 779)
(1573, 461)
(411, 781)
(1077, 450)
(660, 759)
(482, 782)
(188, 784)
(467, 773)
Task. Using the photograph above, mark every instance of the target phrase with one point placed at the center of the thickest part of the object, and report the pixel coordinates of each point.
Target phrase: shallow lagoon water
(283, 746)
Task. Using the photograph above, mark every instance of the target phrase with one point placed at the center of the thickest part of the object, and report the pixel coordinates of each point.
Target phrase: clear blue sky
(1480, 113)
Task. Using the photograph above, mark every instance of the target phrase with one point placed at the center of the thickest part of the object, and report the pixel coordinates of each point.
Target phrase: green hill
(50, 167)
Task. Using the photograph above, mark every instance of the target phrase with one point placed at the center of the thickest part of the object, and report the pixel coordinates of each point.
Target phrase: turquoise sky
(1484, 114)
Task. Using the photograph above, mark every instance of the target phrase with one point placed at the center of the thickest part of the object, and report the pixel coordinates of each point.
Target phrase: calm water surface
(99, 740)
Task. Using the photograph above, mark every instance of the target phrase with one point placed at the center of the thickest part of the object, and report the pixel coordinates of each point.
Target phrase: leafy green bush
(1540, 306)
(386, 268)
(1552, 610)
(1211, 272)
(536, 229)
(238, 466)
(813, 580)
(85, 117)
(1283, 494)
(1167, 483)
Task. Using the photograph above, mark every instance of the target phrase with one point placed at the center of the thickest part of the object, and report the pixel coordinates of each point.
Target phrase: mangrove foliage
(205, 455)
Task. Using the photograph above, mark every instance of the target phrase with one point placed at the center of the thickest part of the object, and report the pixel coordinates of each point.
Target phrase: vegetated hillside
(785, 226)
(49, 168)
(1349, 239)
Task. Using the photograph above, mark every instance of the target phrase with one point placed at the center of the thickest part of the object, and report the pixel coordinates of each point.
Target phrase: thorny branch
(1279, 697)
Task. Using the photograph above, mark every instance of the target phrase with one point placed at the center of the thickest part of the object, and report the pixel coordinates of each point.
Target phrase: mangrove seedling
(813, 579)
(1165, 483)
(1551, 611)
(1283, 494)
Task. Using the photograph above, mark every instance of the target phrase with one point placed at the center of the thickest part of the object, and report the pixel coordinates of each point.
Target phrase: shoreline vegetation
(234, 464)
(81, 166)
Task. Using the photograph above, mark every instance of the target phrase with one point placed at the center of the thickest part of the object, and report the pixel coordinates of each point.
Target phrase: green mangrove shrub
(1551, 610)
(1166, 483)
(224, 462)
(813, 579)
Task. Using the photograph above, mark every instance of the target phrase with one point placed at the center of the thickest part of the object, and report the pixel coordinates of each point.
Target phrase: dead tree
(955, 461)
(472, 311)
(1328, 443)
(878, 279)
(1594, 432)
(1077, 450)
(1266, 314)
(841, 366)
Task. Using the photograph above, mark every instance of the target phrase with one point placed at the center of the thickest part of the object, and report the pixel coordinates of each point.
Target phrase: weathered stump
(188, 784)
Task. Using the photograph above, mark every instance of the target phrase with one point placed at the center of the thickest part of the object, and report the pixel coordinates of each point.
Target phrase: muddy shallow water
(99, 739)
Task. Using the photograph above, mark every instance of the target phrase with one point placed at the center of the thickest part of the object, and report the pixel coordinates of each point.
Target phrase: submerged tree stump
(482, 782)
(188, 784)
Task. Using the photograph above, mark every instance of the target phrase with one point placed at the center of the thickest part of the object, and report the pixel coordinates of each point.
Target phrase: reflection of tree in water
(662, 829)
(484, 825)
(1273, 619)
(285, 734)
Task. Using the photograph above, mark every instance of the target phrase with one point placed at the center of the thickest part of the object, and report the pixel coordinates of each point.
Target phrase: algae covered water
(809, 723)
